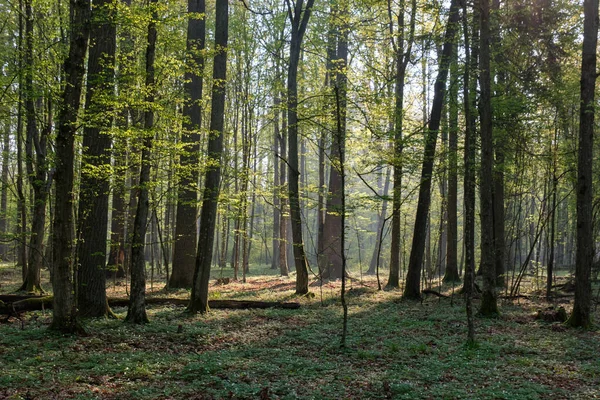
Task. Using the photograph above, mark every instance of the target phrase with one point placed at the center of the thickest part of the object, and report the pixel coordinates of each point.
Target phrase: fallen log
(36, 303)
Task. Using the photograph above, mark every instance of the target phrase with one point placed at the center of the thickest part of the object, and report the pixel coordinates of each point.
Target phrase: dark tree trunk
(5, 189)
(94, 190)
(208, 214)
(413, 277)
(451, 273)
(65, 313)
(185, 227)
(402, 59)
(21, 207)
(469, 88)
(276, 188)
(581, 315)
(489, 306)
(136, 313)
(299, 20)
(35, 150)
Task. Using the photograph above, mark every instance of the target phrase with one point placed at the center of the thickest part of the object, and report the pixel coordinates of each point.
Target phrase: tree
(64, 311)
(402, 59)
(95, 181)
(35, 151)
(488, 305)
(412, 289)
(136, 312)
(185, 227)
(581, 315)
(299, 20)
(210, 197)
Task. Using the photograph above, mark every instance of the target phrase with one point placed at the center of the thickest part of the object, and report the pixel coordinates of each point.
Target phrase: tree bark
(489, 306)
(581, 315)
(208, 215)
(187, 198)
(299, 19)
(65, 313)
(95, 183)
(136, 313)
(413, 277)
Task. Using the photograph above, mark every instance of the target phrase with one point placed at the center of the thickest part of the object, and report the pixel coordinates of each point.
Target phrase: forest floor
(395, 349)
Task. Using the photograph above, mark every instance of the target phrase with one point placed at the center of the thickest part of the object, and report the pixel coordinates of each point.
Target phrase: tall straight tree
(489, 306)
(185, 228)
(299, 19)
(35, 151)
(64, 310)
(136, 313)
(581, 315)
(210, 197)
(95, 184)
(331, 250)
(402, 49)
(451, 273)
(469, 87)
(413, 277)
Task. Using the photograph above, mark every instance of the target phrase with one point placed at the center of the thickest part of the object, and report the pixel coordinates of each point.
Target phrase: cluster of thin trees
(128, 135)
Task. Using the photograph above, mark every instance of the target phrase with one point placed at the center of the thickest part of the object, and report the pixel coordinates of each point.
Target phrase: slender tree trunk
(5, 189)
(21, 207)
(469, 87)
(185, 226)
(413, 277)
(94, 191)
(64, 310)
(208, 214)
(276, 188)
(136, 312)
(382, 217)
(581, 315)
(299, 21)
(489, 306)
(451, 273)
(35, 150)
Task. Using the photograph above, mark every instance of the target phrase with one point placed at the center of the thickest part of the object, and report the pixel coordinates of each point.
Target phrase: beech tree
(581, 315)
(208, 213)
(64, 312)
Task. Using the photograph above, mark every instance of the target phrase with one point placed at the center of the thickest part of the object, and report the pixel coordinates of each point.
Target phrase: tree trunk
(5, 189)
(187, 209)
(208, 215)
(64, 316)
(581, 315)
(95, 186)
(451, 273)
(299, 21)
(382, 217)
(35, 150)
(489, 306)
(136, 313)
(413, 277)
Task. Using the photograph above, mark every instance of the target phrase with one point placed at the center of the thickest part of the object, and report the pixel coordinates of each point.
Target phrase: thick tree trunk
(94, 191)
(208, 214)
(413, 277)
(64, 316)
(185, 227)
(136, 313)
(489, 306)
(581, 315)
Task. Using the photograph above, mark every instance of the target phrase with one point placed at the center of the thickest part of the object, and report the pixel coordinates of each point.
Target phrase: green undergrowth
(395, 350)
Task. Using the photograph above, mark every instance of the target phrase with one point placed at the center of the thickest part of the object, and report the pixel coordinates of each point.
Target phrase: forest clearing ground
(396, 349)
